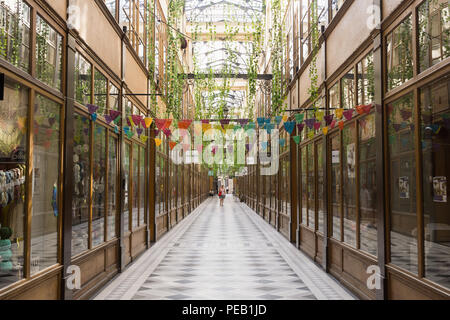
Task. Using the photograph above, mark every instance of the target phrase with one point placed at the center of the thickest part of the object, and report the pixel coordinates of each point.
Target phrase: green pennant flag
(299, 117)
(296, 139)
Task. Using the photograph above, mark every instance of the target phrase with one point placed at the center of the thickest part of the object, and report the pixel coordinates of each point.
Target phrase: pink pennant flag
(137, 119)
(317, 125)
(348, 114)
(367, 108)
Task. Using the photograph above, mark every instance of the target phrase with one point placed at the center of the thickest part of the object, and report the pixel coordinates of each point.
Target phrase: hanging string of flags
(136, 124)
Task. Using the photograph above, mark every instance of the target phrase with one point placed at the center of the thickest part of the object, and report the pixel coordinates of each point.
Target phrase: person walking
(221, 195)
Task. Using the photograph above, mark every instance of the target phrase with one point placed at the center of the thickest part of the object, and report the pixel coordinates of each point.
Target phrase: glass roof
(223, 10)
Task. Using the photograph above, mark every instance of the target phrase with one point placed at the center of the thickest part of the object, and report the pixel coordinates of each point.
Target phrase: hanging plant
(313, 74)
(276, 46)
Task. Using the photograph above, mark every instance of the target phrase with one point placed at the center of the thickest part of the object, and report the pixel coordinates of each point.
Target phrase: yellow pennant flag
(206, 126)
(285, 118)
(158, 142)
(325, 130)
(339, 113)
(319, 115)
(144, 139)
(130, 119)
(311, 134)
(148, 122)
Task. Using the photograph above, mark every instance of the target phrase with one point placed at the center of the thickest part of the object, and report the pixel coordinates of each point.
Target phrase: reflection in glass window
(403, 205)
(399, 54)
(126, 192)
(335, 100)
(142, 186)
(135, 188)
(335, 6)
(113, 97)
(311, 188)
(48, 54)
(304, 209)
(100, 91)
(44, 227)
(336, 186)
(81, 196)
(367, 185)
(82, 79)
(13, 119)
(435, 129)
(98, 185)
(349, 184)
(434, 32)
(320, 183)
(348, 90)
(15, 21)
(366, 80)
(112, 204)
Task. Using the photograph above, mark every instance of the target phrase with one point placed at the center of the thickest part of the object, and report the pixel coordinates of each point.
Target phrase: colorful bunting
(333, 124)
(310, 123)
(108, 119)
(94, 117)
(167, 132)
(289, 127)
(139, 131)
(348, 114)
(144, 139)
(367, 108)
(278, 119)
(147, 122)
(317, 125)
(299, 117)
(172, 145)
(261, 122)
(311, 134)
(137, 119)
(339, 113)
(296, 139)
(325, 130)
(282, 142)
(269, 127)
(114, 114)
(92, 108)
(285, 118)
(158, 142)
(328, 119)
(319, 115)
(341, 125)
(184, 124)
(300, 127)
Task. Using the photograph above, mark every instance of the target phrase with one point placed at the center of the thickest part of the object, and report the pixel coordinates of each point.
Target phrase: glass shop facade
(74, 191)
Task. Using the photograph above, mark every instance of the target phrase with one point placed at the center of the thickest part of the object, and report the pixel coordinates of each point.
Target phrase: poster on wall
(403, 186)
(335, 157)
(440, 189)
(351, 160)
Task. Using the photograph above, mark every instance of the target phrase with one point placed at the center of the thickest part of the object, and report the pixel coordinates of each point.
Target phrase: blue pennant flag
(261, 122)
(278, 119)
(289, 126)
(269, 127)
(282, 142)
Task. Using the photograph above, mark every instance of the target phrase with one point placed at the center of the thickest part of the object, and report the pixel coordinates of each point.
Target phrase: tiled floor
(225, 253)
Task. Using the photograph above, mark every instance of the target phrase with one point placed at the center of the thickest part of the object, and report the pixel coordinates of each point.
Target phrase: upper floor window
(132, 15)
(366, 80)
(48, 54)
(335, 6)
(434, 32)
(399, 54)
(83, 79)
(15, 19)
(112, 6)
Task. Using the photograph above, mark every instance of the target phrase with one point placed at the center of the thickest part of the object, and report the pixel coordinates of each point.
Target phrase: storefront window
(399, 54)
(304, 187)
(100, 91)
(48, 54)
(367, 185)
(336, 186)
(46, 150)
(126, 174)
(320, 184)
(348, 90)
(403, 205)
(13, 124)
(434, 32)
(349, 186)
(98, 187)
(81, 196)
(112, 187)
(366, 80)
(142, 192)
(15, 21)
(135, 189)
(435, 129)
(83, 79)
(113, 97)
(311, 188)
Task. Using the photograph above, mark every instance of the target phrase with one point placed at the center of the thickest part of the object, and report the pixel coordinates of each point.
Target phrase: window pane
(126, 174)
(366, 80)
(142, 186)
(335, 6)
(44, 228)
(336, 186)
(112, 187)
(399, 54)
(349, 186)
(320, 183)
(82, 80)
(435, 125)
(135, 197)
(367, 185)
(304, 187)
(434, 32)
(48, 54)
(335, 101)
(113, 97)
(98, 188)
(13, 120)
(348, 90)
(81, 172)
(403, 183)
(15, 19)
(111, 4)
(100, 90)
(311, 188)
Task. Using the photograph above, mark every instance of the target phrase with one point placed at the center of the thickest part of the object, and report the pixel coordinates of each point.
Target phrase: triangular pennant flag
(92, 108)
(160, 123)
(311, 134)
(243, 122)
(333, 124)
(317, 125)
(205, 121)
(367, 108)
(172, 145)
(282, 142)
(167, 132)
(436, 128)
(117, 120)
(147, 122)
(300, 127)
(261, 122)
(269, 127)
(348, 114)
(184, 124)
(144, 139)
(285, 118)
(360, 110)
(139, 131)
(137, 119)
(158, 142)
(278, 119)
(108, 118)
(114, 114)
(289, 126)
(328, 119)
(116, 129)
(296, 139)
(224, 122)
(319, 115)
(206, 126)
(299, 117)
(310, 123)
(126, 129)
(339, 113)
(341, 125)
(325, 130)
(94, 117)
(130, 134)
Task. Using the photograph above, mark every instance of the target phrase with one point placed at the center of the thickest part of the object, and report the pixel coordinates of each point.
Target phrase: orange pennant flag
(148, 122)
(341, 125)
(172, 145)
(325, 130)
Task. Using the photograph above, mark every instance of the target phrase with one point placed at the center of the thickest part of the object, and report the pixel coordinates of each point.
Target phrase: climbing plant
(276, 47)
(313, 75)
